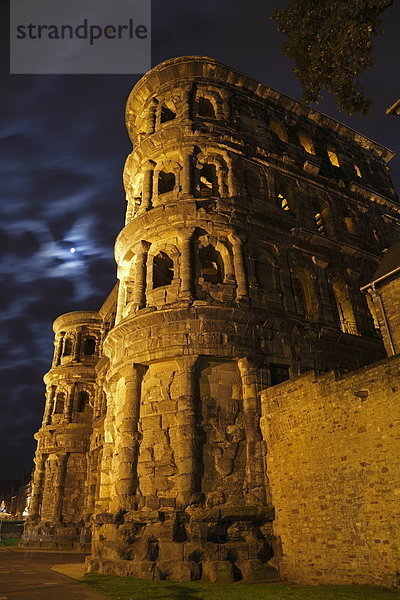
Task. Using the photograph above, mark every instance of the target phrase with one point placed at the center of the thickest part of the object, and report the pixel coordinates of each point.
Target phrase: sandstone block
(255, 570)
(220, 571)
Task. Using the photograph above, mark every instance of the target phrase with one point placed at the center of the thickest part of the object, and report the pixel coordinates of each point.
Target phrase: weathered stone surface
(239, 267)
(334, 474)
(218, 570)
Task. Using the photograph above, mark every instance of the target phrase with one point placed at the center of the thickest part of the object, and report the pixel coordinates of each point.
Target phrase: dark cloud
(64, 145)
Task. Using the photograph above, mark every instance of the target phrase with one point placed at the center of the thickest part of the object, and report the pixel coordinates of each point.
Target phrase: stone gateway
(192, 429)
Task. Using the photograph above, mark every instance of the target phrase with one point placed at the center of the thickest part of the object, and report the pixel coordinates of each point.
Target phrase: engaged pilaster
(139, 296)
(240, 271)
(255, 468)
(186, 265)
(124, 468)
(185, 450)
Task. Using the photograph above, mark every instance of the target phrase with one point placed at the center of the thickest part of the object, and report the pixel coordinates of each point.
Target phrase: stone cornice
(76, 319)
(199, 68)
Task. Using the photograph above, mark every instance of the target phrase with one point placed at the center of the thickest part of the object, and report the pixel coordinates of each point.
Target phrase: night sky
(63, 149)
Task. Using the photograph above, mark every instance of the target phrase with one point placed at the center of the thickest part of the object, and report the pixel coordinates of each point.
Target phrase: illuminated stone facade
(252, 223)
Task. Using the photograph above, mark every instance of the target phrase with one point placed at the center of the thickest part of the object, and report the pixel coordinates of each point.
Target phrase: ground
(31, 576)
(125, 588)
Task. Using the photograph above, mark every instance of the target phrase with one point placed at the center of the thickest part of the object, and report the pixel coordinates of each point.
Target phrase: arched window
(82, 401)
(279, 130)
(282, 202)
(208, 180)
(307, 143)
(344, 308)
(305, 296)
(350, 224)
(67, 350)
(89, 346)
(322, 217)
(266, 272)
(205, 108)
(319, 223)
(333, 157)
(300, 295)
(163, 270)
(59, 402)
(167, 111)
(284, 190)
(253, 183)
(166, 182)
(211, 265)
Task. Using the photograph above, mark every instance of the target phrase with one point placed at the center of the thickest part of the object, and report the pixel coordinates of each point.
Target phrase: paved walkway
(27, 575)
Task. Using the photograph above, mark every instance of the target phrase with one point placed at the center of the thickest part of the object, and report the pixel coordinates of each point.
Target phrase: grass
(128, 588)
(10, 542)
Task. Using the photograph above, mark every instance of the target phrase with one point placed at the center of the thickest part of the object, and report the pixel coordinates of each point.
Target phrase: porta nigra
(232, 411)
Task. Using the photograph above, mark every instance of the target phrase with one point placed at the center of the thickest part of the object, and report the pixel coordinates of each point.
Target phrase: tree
(331, 44)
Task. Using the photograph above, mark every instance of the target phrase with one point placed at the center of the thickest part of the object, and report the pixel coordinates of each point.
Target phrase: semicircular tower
(57, 508)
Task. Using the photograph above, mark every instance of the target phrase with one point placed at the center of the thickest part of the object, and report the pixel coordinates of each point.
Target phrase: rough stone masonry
(252, 222)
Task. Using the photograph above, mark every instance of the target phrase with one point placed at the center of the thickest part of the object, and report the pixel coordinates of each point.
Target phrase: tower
(251, 224)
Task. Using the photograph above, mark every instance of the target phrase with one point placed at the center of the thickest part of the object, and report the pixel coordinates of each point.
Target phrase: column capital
(237, 238)
(141, 247)
(247, 365)
(148, 164)
(186, 234)
(130, 372)
(188, 362)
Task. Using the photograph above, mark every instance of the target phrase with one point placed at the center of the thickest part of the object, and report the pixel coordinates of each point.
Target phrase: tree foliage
(331, 44)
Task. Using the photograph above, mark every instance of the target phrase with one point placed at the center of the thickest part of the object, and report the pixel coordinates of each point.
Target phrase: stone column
(150, 122)
(69, 402)
(58, 343)
(231, 178)
(185, 450)
(87, 500)
(223, 179)
(156, 174)
(121, 295)
(185, 106)
(124, 467)
(48, 411)
(186, 174)
(98, 397)
(224, 114)
(37, 488)
(255, 460)
(185, 270)
(104, 495)
(59, 486)
(139, 298)
(240, 271)
(77, 347)
(147, 189)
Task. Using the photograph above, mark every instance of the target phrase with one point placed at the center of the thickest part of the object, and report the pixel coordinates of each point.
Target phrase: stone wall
(224, 445)
(387, 306)
(334, 474)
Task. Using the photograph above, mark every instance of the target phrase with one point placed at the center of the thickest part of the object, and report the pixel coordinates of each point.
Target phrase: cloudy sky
(63, 148)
